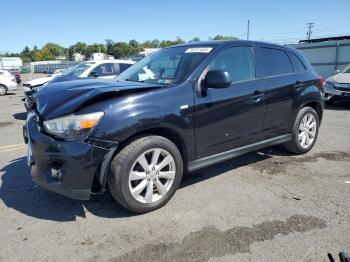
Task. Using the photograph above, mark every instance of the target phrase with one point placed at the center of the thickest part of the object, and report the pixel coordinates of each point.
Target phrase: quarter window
(237, 61)
(275, 62)
(299, 65)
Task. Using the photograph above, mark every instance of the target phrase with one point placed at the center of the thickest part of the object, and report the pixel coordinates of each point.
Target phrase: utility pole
(309, 32)
(248, 25)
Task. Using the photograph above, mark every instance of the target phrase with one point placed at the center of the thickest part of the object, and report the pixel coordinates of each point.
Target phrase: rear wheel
(305, 131)
(3, 90)
(145, 174)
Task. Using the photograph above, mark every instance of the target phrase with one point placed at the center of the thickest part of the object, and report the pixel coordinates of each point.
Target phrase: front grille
(342, 87)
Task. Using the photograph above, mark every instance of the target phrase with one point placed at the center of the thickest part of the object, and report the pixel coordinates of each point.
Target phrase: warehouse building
(326, 54)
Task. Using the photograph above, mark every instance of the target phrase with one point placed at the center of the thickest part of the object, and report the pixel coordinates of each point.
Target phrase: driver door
(230, 117)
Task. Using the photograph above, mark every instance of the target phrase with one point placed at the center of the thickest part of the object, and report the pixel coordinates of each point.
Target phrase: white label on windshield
(199, 50)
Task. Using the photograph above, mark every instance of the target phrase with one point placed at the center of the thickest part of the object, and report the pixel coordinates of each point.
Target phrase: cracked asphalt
(265, 206)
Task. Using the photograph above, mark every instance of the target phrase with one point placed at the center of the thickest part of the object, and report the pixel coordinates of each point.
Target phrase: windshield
(77, 70)
(167, 66)
(346, 69)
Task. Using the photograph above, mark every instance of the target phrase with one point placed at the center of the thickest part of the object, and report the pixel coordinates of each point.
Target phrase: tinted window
(237, 61)
(299, 66)
(123, 67)
(104, 69)
(275, 62)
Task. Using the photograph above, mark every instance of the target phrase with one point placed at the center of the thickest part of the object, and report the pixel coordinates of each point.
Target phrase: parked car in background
(337, 87)
(106, 69)
(177, 110)
(7, 82)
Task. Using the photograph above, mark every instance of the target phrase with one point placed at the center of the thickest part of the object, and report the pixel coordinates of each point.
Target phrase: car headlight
(73, 126)
(328, 84)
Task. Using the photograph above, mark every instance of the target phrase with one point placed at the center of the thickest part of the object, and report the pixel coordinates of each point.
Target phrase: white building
(78, 57)
(100, 56)
(9, 63)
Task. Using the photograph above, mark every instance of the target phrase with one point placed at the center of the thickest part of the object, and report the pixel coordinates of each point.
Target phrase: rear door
(230, 117)
(280, 83)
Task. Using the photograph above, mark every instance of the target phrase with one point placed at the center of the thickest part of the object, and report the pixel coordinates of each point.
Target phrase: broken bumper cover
(66, 167)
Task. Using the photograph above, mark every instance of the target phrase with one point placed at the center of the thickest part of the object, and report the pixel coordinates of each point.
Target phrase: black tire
(294, 145)
(122, 163)
(5, 90)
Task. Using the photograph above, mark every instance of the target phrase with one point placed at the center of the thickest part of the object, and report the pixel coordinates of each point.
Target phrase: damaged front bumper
(69, 168)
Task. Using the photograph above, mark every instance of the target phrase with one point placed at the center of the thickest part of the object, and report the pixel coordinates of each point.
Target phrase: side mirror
(337, 71)
(217, 79)
(93, 74)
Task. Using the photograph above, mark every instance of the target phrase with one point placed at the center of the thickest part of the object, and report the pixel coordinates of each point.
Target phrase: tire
(296, 145)
(3, 90)
(122, 183)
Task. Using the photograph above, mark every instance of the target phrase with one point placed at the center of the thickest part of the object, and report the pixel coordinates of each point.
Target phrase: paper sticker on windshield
(199, 50)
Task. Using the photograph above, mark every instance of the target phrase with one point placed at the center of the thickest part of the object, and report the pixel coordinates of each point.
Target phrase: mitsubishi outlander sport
(178, 110)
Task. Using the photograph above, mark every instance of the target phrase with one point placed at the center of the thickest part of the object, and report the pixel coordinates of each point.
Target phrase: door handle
(257, 96)
(298, 84)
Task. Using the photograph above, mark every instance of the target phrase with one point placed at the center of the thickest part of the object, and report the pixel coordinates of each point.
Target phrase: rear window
(299, 65)
(275, 62)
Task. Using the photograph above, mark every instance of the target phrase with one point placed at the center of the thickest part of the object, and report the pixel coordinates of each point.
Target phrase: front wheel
(305, 131)
(3, 90)
(145, 174)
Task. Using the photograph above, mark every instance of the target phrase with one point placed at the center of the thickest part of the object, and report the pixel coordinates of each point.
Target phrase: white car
(7, 82)
(337, 87)
(107, 69)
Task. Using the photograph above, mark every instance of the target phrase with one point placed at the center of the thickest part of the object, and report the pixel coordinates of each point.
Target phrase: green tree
(79, 47)
(120, 50)
(195, 39)
(43, 55)
(55, 49)
(95, 48)
(166, 43)
(222, 37)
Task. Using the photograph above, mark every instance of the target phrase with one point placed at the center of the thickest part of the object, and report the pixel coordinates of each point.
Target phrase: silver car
(337, 87)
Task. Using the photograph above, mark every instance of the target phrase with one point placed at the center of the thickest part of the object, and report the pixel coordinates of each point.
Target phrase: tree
(166, 43)
(79, 47)
(221, 37)
(44, 55)
(195, 39)
(120, 50)
(151, 44)
(95, 48)
(55, 49)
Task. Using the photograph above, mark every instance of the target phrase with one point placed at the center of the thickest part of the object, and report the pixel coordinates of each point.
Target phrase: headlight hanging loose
(72, 126)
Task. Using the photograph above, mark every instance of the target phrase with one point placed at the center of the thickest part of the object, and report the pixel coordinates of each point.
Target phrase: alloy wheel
(152, 175)
(307, 131)
(2, 90)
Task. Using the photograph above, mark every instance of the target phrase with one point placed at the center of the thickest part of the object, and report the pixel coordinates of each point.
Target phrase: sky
(65, 22)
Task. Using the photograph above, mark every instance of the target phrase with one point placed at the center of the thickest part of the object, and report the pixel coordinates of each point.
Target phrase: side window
(123, 67)
(104, 69)
(237, 61)
(275, 62)
(299, 65)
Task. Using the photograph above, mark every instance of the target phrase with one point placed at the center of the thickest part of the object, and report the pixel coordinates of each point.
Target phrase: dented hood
(64, 98)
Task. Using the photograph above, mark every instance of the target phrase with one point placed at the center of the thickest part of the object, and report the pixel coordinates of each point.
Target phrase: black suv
(178, 110)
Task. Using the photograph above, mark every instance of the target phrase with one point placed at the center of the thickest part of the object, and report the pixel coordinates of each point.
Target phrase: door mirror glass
(217, 79)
